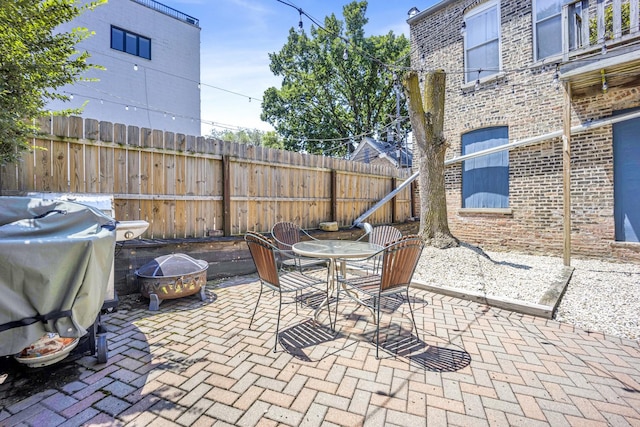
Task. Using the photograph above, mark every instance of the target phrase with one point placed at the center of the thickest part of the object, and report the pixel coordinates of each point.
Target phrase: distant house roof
(371, 151)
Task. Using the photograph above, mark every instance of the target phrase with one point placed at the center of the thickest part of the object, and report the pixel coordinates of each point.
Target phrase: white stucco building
(151, 56)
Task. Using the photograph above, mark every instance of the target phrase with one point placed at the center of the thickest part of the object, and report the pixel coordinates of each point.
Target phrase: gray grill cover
(55, 256)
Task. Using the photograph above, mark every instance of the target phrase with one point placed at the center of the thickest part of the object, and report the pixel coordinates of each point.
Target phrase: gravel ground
(601, 296)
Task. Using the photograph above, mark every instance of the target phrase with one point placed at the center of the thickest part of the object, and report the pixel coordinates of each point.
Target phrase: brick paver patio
(197, 363)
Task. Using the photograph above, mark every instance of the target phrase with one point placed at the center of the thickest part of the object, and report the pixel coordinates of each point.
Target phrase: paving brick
(501, 405)
(254, 414)
(314, 416)
(90, 389)
(220, 381)
(205, 421)
(324, 386)
(504, 391)
(295, 384)
(244, 383)
(530, 407)
(145, 419)
(103, 419)
(167, 409)
(81, 418)
(376, 417)
(195, 395)
(240, 370)
(100, 375)
(277, 399)
(194, 381)
(141, 406)
(359, 402)
(388, 402)
(405, 419)
(29, 401)
(82, 405)
(58, 401)
(622, 410)
(333, 401)
(343, 418)
(46, 418)
(194, 412)
(271, 384)
(111, 405)
(225, 413)
(23, 414)
(119, 389)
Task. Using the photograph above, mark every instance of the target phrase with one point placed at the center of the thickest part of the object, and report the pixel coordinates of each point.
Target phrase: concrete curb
(546, 308)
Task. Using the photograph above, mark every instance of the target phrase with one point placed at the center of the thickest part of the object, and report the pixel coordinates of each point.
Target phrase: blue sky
(238, 35)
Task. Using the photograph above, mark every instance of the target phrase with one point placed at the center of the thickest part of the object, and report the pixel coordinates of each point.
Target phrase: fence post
(226, 196)
(394, 201)
(334, 195)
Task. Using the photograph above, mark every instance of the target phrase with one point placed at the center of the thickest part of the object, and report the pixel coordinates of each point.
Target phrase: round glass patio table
(331, 250)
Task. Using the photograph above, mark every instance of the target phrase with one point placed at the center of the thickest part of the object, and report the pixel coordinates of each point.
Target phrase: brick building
(516, 70)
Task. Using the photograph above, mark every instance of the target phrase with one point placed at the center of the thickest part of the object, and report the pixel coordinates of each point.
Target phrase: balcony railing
(598, 25)
(169, 11)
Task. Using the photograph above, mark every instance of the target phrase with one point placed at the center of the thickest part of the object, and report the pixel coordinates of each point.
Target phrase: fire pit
(172, 276)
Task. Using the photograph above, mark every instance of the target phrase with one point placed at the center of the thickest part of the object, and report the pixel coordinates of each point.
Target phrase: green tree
(249, 136)
(336, 84)
(34, 61)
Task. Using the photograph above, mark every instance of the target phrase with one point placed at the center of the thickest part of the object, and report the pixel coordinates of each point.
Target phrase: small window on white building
(126, 41)
(547, 28)
(482, 41)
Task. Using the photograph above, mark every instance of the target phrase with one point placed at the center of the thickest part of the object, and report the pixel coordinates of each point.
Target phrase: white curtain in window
(548, 28)
(482, 50)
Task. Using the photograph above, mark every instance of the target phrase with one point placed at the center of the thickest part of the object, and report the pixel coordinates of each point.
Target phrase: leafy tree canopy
(249, 136)
(34, 61)
(335, 84)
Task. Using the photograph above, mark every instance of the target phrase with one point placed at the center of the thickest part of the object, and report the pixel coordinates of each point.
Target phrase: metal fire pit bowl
(172, 276)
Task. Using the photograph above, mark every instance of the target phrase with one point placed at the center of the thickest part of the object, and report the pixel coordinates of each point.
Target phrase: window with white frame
(482, 41)
(547, 28)
(485, 179)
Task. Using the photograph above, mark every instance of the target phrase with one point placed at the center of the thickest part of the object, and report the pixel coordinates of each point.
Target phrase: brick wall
(524, 98)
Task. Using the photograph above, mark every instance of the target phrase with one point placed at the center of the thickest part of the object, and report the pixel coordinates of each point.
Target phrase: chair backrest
(263, 254)
(383, 235)
(285, 234)
(399, 262)
(368, 228)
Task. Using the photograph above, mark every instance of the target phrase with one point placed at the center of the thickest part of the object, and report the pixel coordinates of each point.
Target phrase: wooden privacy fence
(190, 187)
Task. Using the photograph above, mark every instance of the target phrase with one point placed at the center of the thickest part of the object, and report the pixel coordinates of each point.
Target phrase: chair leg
(275, 345)
(331, 324)
(412, 316)
(376, 304)
(256, 308)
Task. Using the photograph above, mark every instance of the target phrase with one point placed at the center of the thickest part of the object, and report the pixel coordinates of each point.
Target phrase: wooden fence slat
(76, 169)
(106, 131)
(120, 175)
(91, 129)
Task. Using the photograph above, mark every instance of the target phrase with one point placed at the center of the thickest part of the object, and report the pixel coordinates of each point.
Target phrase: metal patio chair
(382, 235)
(281, 282)
(286, 234)
(399, 261)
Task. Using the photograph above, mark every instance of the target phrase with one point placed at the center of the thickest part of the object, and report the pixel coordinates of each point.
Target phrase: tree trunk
(427, 121)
